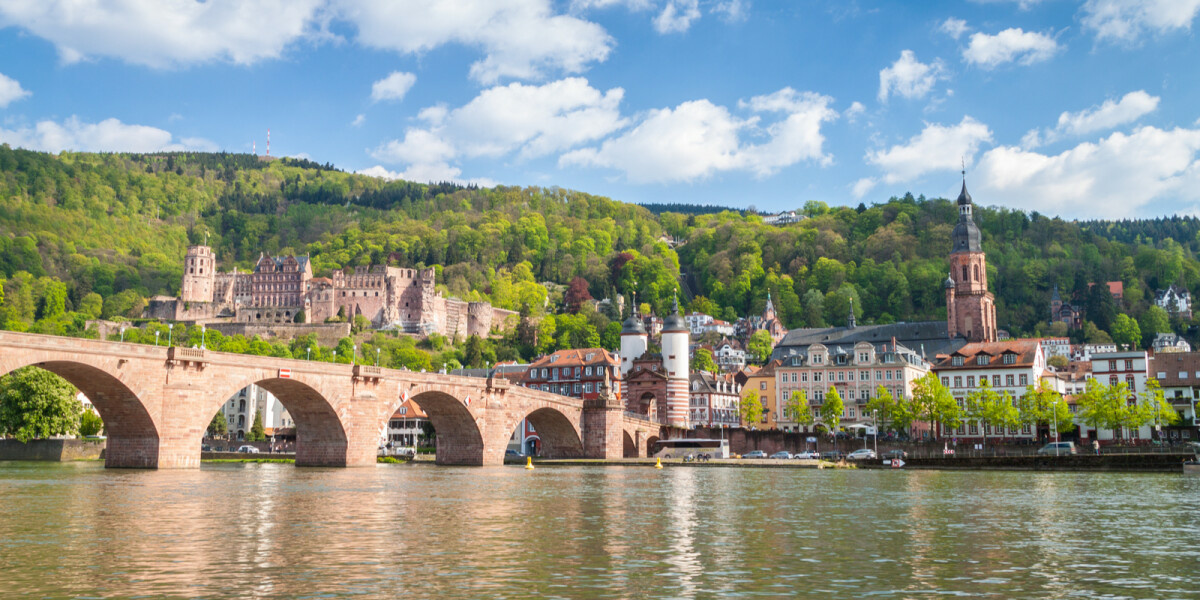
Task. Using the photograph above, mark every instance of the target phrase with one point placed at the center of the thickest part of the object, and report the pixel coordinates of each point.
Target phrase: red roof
(1116, 288)
(409, 410)
(1026, 351)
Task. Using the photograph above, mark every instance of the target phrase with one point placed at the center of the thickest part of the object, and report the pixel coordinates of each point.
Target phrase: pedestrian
(1096, 446)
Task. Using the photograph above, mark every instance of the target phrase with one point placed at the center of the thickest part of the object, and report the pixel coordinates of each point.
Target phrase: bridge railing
(632, 415)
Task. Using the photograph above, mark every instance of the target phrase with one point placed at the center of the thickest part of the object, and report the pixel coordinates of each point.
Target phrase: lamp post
(202, 337)
(308, 354)
(875, 423)
(156, 333)
(122, 333)
(170, 328)
(335, 356)
(353, 353)
(377, 356)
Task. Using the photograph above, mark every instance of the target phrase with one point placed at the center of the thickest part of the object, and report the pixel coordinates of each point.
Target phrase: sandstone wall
(328, 334)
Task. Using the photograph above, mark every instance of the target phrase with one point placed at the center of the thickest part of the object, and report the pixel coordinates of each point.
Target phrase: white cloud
(731, 11)
(1022, 4)
(1026, 47)
(528, 120)
(862, 186)
(1126, 20)
(1111, 178)
(954, 27)
(165, 33)
(431, 173)
(856, 109)
(10, 90)
(908, 77)
(109, 135)
(936, 148)
(392, 87)
(1108, 115)
(697, 139)
(677, 16)
(358, 121)
(523, 39)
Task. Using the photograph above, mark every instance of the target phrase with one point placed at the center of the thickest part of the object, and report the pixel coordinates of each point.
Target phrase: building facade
(1179, 375)
(581, 373)
(251, 401)
(1113, 368)
(1175, 300)
(714, 401)
(406, 428)
(1007, 367)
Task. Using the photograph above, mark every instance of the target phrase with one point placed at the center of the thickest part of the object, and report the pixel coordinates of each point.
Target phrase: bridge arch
(133, 436)
(559, 434)
(459, 441)
(629, 445)
(321, 439)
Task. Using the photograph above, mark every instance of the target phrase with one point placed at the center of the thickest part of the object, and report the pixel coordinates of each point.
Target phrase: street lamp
(122, 333)
(875, 423)
(308, 354)
(156, 333)
(202, 331)
(377, 356)
(353, 353)
(335, 356)
(170, 328)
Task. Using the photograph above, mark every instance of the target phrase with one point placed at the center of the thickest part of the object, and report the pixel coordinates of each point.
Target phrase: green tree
(933, 403)
(883, 406)
(300, 317)
(35, 403)
(831, 410)
(751, 410)
(218, 426)
(360, 324)
(90, 423)
(1103, 407)
(1153, 322)
(1042, 404)
(1153, 408)
(92, 305)
(1126, 331)
(796, 409)
(704, 362)
(473, 352)
(760, 346)
(257, 431)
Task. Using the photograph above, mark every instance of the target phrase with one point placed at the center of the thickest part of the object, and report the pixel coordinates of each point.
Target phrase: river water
(422, 531)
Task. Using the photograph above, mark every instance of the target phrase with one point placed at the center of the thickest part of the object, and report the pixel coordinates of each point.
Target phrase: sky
(1080, 109)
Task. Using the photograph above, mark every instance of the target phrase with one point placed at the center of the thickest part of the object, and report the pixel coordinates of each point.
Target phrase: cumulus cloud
(909, 77)
(677, 16)
(1111, 178)
(1014, 44)
(936, 148)
(10, 90)
(1127, 20)
(862, 186)
(526, 120)
(697, 139)
(954, 27)
(731, 11)
(434, 173)
(165, 33)
(522, 39)
(1108, 115)
(392, 87)
(109, 135)
(359, 120)
(1022, 4)
(856, 109)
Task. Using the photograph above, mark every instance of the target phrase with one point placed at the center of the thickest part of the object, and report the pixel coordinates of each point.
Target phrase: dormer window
(554, 358)
(1010, 358)
(956, 361)
(983, 359)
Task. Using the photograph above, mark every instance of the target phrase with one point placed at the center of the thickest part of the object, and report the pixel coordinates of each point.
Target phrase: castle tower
(634, 341)
(199, 273)
(970, 307)
(676, 338)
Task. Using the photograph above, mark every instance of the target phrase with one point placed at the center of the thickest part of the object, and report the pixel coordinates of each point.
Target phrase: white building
(1179, 375)
(783, 218)
(1111, 368)
(1175, 300)
(1084, 352)
(696, 322)
(406, 427)
(714, 400)
(251, 400)
(1057, 347)
(729, 355)
(1006, 366)
(1165, 343)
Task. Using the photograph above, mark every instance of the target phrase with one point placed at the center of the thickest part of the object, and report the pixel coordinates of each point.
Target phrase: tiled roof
(577, 357)
(928, 337)
(409, 410)
(1025, 349)
(1171, 364)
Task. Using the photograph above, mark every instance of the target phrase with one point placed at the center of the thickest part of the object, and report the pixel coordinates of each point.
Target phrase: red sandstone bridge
(157, 402)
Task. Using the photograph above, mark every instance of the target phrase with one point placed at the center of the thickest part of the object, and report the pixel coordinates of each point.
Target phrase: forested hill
(100, 233)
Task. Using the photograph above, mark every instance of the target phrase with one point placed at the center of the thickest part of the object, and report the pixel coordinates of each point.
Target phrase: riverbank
(52, 450)
(1128, 463)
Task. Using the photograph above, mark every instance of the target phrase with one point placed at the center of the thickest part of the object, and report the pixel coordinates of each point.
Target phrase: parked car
(511, 452)
(891, 454)
(862, 454)
(248, 449)
(1057, 449)
(806, 455)
(784, 454)
(833, 455)
(755, 454)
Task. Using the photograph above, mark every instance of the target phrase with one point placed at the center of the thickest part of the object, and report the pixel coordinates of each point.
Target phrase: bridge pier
(603, 432)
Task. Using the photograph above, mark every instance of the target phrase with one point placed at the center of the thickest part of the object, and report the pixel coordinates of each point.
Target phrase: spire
(675, 301)
(850, 321)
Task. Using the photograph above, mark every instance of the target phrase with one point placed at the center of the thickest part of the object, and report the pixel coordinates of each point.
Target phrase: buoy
(529, 462)
(658, 463)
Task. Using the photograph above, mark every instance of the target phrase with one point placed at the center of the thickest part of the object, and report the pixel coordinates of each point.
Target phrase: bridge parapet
(186, 355)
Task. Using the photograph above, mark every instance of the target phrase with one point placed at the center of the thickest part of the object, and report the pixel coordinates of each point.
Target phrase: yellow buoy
(528, 462)
(658, 463)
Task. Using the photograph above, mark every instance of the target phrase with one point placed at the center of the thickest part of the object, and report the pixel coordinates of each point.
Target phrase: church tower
(970, 307)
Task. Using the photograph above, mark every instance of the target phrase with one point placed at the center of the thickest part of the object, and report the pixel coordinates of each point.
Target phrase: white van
(1057, 449)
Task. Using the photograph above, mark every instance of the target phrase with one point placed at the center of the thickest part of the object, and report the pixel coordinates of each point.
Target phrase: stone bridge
(157, 402)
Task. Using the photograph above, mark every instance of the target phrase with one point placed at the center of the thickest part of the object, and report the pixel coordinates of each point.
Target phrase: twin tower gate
(157, 402)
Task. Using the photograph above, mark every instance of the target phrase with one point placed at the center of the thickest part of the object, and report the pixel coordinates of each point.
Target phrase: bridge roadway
(157, 402)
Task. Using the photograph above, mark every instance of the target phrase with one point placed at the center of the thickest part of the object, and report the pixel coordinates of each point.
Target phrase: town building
(856, 369)
(1165, 343)
(1175, 300)
(1112, 368)
(768, 321)
(282, 289)
(762, 382)
(1007, 367)
(1084, 352)
(252, 400)
(581, 373)
(714, 401)
(1178, 374)
(786, 217)
(1057, 347)
(1065, 312)
(700, 324)
(406, 428)
(729, 355)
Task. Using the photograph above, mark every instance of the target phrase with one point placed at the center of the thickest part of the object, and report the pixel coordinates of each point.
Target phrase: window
(1112, 365)
(544, 375)
(577, 371)
(1010, 359)
(864, 375)
(587, 387)
(1008, 380)
(957, 361)
(554, 372)
(804, 377)
(851, 413)
(762, 385)
(958, 381)
(878, 375)
(1131, 383)
(841, 375)
(587, 371)
(1112, 380)
(1128, 364)
(888, 375)
(983, 359)
(816, 375)
(946, 381)
(995, 381)
(970, 381)
(1023, 379)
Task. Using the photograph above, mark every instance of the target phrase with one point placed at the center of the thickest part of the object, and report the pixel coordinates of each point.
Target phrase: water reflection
(273, 531)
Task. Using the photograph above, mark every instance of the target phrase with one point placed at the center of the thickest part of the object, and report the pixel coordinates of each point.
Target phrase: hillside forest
(85, 236)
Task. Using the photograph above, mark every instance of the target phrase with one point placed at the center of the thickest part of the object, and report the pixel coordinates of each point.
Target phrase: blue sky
(1081, 109)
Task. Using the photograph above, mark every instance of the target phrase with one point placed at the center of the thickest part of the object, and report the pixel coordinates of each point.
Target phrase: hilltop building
(1175, 300)
(282, 289)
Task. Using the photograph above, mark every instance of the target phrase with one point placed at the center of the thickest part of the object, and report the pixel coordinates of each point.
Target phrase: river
(422, 531)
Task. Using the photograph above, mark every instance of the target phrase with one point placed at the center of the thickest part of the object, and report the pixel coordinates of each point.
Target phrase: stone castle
(282, 289)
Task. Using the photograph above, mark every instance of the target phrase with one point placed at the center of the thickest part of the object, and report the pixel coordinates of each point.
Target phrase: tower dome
(966, 236)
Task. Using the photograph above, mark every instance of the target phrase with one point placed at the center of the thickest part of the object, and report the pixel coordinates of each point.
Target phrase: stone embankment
(52, 450)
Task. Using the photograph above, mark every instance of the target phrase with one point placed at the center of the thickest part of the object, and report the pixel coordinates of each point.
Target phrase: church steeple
(970, 307)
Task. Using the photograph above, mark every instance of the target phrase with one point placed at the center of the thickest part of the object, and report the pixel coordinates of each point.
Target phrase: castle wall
(328, 334)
